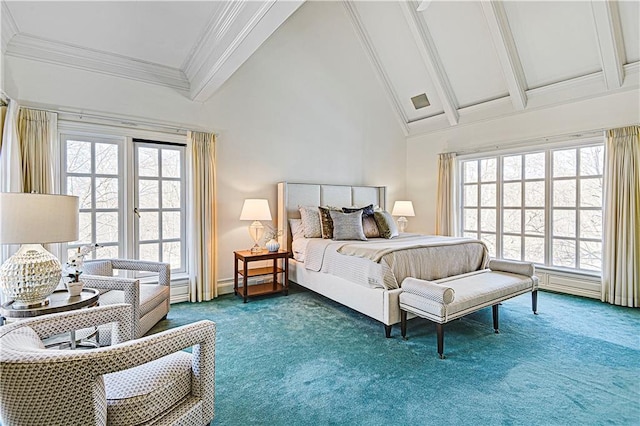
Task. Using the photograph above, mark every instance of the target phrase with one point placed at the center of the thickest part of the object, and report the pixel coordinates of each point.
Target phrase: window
(149, 184)
(159, 196)
(92, 171)
(543, 206)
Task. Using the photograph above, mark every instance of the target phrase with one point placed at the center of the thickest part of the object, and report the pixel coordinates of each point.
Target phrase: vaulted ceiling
(461, 61)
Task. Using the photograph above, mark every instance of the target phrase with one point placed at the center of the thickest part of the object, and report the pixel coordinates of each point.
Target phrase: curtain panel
(621, 233)
(204, 270)
(35, 131)
(445, 200)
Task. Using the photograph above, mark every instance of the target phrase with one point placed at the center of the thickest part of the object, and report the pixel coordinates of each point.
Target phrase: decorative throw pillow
(366, 211)
(368, 222)
(297, 231)
(326, 222)
(347, 226)
(386, 225)
(370, 227)
(310, 221)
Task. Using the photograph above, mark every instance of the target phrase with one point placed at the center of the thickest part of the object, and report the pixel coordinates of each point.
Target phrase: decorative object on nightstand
(255, 210)
(402, 209)
(246, 290)
(30, 275)
(73, 269)
(272, 244)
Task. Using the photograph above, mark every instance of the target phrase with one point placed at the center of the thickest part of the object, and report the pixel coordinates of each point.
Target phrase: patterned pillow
(386, 224)
(326, 221)
(347, 226)
(366, 211)
(310, 221)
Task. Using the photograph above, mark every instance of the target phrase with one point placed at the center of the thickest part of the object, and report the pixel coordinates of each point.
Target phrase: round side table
(59, 301)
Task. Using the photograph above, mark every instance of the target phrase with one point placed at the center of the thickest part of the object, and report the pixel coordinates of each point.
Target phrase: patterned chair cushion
(22, 339)
(144, 393)
(150, 297)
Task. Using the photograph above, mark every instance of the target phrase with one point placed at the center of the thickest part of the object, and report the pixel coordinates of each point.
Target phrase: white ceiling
(475, 60)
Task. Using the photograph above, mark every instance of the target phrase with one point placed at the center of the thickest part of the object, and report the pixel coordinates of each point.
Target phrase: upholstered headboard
(292, 195)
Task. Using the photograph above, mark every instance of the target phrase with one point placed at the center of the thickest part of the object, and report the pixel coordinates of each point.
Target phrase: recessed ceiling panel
(152, 31)
(462, 38)
(397, 51)
(629, 18)
(555, 40)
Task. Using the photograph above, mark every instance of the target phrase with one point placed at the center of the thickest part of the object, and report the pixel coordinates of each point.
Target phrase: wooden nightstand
(274, 270)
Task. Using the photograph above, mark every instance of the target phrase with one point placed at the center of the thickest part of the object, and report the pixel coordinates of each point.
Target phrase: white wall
(610, 111)
(306, 107)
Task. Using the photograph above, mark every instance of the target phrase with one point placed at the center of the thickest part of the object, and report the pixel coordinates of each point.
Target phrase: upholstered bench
(450, 298)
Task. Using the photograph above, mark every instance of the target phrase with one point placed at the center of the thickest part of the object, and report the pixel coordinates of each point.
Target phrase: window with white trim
(132, 196)
(543, 206)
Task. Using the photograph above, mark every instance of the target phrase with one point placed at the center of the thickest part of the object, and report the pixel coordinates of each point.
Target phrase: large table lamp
(402, 209)
(255, 210)
(30, 275)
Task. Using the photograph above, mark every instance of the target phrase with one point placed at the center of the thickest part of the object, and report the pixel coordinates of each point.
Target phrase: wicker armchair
(137, 382)
(150, 302)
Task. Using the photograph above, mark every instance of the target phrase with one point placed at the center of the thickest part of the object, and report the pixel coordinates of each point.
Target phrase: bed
(366, 275)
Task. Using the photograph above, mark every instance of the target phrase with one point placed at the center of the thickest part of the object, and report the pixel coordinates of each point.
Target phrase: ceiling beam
(382, 75)
(505, 46)
(432, 61)
(611, 46)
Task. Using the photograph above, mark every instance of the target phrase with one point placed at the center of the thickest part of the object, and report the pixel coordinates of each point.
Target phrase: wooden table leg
(235, 277)
(286, 276)
(245, 278)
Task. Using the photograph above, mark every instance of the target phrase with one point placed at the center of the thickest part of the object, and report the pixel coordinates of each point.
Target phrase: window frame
(125, 135)
(499, 154)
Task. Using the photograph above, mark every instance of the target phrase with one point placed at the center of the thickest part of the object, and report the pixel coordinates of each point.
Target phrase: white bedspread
(409, 255)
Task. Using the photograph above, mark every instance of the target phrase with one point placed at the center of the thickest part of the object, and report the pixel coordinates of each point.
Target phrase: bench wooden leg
(440, 332)
(495, 318)
(534, 301)
(403, 323)
(387, 331)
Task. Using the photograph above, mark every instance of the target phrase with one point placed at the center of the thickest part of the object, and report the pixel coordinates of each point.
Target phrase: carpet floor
(304, 359)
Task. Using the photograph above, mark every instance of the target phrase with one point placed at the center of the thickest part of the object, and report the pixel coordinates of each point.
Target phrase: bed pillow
(310, 221)
(347, 226)
(326, 222)
(386, 224)
(366, 211)
(368, 222)
(297, 231)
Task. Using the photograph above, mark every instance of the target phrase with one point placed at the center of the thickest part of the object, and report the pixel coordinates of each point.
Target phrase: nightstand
(245, 256)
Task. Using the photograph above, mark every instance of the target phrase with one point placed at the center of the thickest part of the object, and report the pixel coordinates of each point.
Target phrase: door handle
(136, 212)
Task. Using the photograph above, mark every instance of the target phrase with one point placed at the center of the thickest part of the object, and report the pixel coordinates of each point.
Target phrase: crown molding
(380, 72)
(8, 26)
(251, 24)
(43, 50)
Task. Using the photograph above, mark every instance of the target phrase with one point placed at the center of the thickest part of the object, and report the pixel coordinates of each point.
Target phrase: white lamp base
(402, 223)
(29, 276)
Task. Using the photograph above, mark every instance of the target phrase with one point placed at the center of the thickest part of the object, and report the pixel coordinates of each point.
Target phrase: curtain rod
(121, 121)
(533, 141)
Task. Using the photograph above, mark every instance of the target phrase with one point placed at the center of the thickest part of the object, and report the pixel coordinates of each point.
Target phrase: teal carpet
(304, 360)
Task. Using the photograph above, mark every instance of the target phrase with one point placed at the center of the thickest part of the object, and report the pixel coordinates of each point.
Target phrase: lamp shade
(403, 208)
(255, 209)
(38, 218)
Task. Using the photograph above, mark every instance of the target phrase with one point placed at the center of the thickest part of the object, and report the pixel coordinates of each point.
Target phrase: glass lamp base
(402, 223)
(256, 249)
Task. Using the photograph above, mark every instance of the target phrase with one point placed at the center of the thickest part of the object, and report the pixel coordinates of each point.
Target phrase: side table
(59, 301)
(274, 286)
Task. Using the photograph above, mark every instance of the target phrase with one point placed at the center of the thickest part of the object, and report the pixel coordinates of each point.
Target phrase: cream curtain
(445, 206)
(36, 134)
(10, 157)
(3, 113)
(621, 245)
(204, 275)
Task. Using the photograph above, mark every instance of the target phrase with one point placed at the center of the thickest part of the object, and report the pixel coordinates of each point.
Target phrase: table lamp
(402, 209)
(256, 210)
(30, 275)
